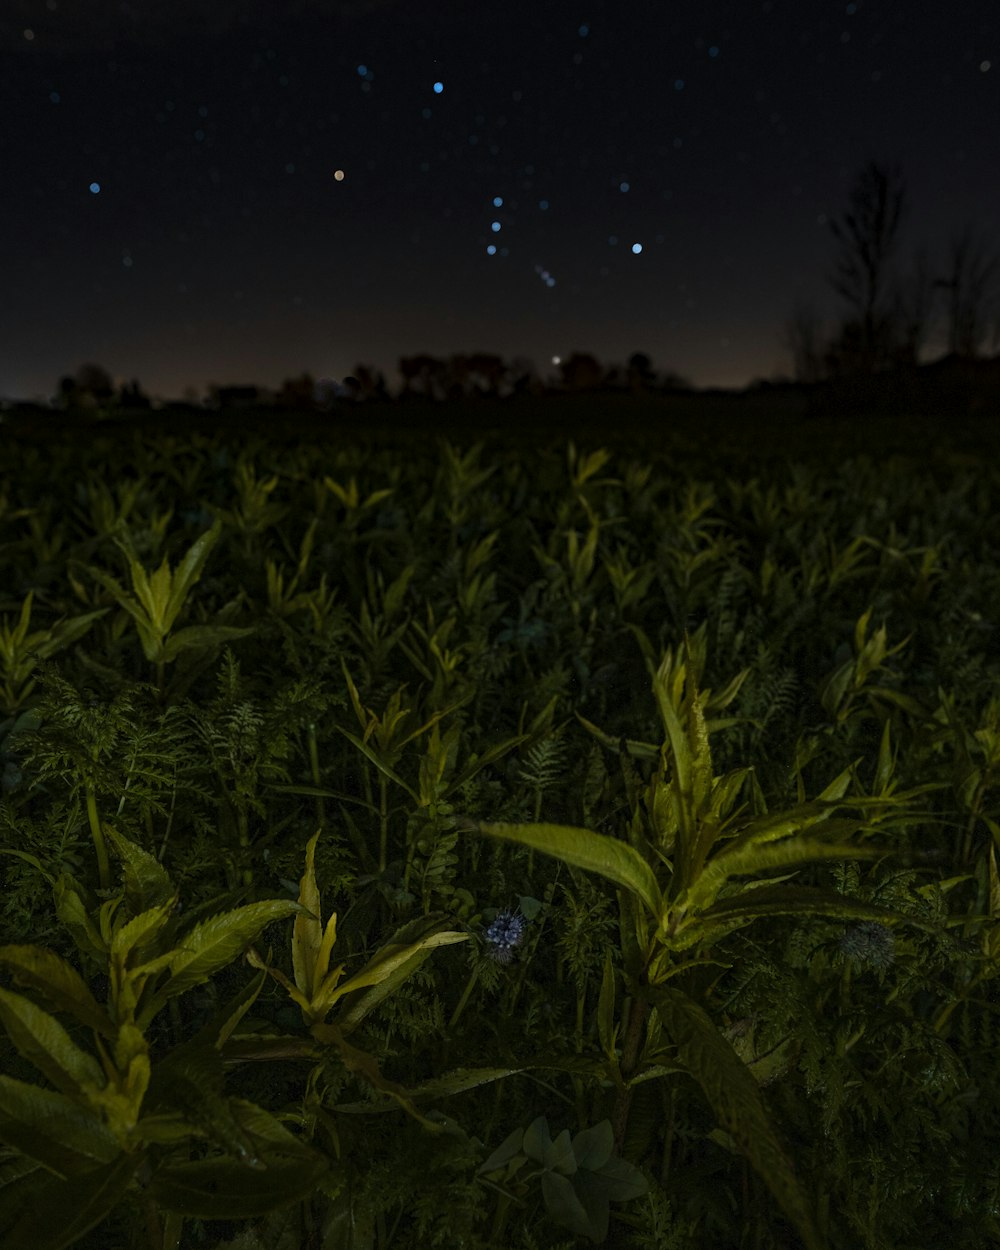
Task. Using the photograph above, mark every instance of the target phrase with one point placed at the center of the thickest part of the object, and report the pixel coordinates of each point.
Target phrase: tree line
(888, 315)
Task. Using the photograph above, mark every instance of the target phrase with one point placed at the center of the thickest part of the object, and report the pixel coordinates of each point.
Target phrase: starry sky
(234, 191)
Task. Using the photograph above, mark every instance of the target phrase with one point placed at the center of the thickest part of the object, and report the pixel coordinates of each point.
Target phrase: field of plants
(435, 841)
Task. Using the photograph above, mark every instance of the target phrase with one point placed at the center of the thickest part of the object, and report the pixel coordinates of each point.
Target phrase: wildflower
(504, 934)
(868, 945)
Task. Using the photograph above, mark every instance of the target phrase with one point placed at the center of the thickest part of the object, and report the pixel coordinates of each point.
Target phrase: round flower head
(504, 934)
(868, 945)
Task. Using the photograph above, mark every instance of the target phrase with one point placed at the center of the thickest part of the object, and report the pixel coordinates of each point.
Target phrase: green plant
(578, 1178)
(120, 1124)
(20, 651)
(679, 890)
(158, 598)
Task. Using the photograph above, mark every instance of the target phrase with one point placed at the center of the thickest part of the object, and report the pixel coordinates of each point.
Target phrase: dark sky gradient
(221, 248)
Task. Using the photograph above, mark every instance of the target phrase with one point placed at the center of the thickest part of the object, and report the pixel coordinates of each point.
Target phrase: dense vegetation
(440, 842)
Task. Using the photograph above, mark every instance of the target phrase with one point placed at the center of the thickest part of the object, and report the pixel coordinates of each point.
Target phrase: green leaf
(366, 1065)
(593, 1146)
(565, 1207)
(503, 1154)
(63, 1136)
(63, 987)
(537, 1139)
(621, 1180)
(734, 1096)
(307, 932)
(636, 749)
(55, 1212)
(489, 756)
(379, 763)
(65, 632)
(217, 1030)
(189, 571)
(204, 636)
(797, 900)
(268, 1131)
(402, 955)
(140, 932)
(146, 881)
(215, 943)
(559, 1156)
(220, 1189)
(746, 860)
(190, 1080)
(384, 963)
(33, 860)
(468, 1078)
(615, 860)
(76, 919)
(41, 1039)
(459, 1080)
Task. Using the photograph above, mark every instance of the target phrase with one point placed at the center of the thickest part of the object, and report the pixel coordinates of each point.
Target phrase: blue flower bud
(868, 945)
(504, 934)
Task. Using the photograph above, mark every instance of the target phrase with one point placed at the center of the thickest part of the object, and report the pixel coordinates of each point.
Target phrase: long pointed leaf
(51, 1128)
(63, 987)
(189, 570)
(215, 943)
(58, 1212)
(366, 750)
(42, 1040)
(786, 900)
(734, 1096)
(384, 962)
(307, 933)
(146, 881)
(746, 860)
(220, 1189)
(615, 860)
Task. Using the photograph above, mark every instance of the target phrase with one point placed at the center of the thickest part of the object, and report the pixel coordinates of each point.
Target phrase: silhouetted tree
(581, 372)
(131, 396)
(299, 392)
(804, 339)
(867, 234)
(488, 373)
(423, 375)
(371, 383)
(971, 288)
(640, 372)
(89, 388)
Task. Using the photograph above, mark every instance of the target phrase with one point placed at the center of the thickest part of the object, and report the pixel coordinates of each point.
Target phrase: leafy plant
(118, 1124)
(20, 651)
(677, 893)
(158, 598)
(578, 1178)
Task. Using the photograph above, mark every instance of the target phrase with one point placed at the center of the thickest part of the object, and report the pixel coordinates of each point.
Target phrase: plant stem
(314, 771)
(173, 1225)
(473, 977)
(383, 816)
(154, 1233)
(632, 1044)
(244, 828)
(97, 833)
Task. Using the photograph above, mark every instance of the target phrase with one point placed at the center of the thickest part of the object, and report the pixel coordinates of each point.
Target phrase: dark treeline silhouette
(872, 357)
(424, 378)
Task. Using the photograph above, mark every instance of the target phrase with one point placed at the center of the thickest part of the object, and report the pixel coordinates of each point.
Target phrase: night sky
(524, 178)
